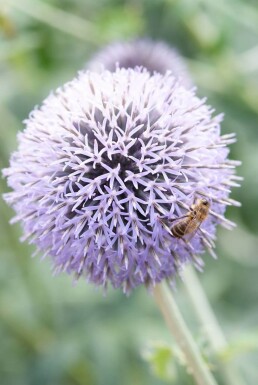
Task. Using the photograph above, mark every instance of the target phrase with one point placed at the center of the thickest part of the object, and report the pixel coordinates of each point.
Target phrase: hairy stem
(208, 321)
(182, 335)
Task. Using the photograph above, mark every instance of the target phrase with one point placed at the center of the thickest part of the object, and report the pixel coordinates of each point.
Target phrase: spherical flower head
(155, 56)
(106, 165)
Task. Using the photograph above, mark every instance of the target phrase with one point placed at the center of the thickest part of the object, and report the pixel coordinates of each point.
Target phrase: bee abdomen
(179, 230)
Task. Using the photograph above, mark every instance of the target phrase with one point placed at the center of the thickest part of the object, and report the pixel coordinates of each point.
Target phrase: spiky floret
(105, 162)
(155, 56)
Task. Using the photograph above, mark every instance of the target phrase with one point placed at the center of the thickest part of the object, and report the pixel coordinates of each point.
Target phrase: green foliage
(161, 359)
(52, 333)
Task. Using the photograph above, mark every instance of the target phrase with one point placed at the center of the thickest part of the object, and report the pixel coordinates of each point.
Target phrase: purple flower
(155, 56)
(105, 162)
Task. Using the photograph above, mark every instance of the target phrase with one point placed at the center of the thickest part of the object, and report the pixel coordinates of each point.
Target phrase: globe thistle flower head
(106, 163)
(155, 56)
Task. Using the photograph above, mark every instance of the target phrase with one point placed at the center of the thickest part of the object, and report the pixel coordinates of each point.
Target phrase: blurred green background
(54, 333)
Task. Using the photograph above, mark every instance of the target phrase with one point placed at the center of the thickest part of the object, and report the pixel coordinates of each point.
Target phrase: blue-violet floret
(105, 160)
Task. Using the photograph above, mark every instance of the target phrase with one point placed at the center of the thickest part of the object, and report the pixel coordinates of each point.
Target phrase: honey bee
(189, 223)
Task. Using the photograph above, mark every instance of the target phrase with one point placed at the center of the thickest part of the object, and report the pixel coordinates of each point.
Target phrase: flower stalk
(208, 322)
(182, 335)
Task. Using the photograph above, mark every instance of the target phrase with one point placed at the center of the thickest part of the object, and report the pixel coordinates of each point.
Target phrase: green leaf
(161, 358)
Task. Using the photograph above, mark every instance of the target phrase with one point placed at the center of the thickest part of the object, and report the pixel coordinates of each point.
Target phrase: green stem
(182, 335)
(59, 19)
(203, 310)
(208, 321)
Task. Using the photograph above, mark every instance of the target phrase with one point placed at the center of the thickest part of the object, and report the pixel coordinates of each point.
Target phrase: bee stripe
(179, 230)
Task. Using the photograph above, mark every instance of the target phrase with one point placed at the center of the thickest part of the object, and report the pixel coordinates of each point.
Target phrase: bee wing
(174, 220)
(192, 234)
(166, 224)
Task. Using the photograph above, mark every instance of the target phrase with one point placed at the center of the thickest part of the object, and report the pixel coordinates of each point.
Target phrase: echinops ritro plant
(105, 161)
